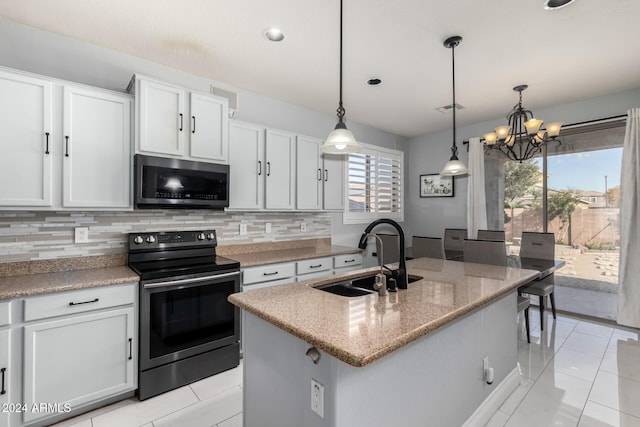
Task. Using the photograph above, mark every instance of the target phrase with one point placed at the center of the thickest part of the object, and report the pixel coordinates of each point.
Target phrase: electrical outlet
(317, 398)
(243, 229)
(81, 234)
(267, 228)
(303, 227)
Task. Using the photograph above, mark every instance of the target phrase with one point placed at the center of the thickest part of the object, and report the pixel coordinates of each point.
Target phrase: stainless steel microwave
(172, 183)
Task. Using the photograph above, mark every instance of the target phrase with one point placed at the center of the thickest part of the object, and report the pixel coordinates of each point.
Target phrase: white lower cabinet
(6, 370)
(81, 357)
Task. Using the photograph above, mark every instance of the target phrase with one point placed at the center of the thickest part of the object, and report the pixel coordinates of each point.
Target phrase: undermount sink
(357, 287)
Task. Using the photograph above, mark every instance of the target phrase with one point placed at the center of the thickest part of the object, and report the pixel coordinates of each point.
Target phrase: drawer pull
(3, 391)
(315, 266)
(349, 260)
(130, 348)
(84, 302)
(270, 274)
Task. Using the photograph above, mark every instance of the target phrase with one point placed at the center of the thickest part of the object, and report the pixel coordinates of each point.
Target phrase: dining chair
(427, 247)
(390, 248)
(494, 252)
(453, 241)
(491, 235)
(540, 246)
(485, 252)
(523, 305)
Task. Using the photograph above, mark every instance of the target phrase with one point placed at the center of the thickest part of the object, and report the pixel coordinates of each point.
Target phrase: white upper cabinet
(161, 119)
(309, 174)
(333, 181)
(64, 146)
(280, 171)
(247, 166)
(320, 177)
(208, 127)
(26, 140)
(169, 126)
(97, 149)
(262, 168)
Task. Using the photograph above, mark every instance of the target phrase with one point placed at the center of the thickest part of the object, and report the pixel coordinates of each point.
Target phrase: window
(375, 185)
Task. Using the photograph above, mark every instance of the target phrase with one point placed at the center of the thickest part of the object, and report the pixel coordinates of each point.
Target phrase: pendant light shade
(341, 140)
(454, 167)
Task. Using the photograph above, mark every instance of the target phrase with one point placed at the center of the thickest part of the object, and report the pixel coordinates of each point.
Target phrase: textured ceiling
(586, 49)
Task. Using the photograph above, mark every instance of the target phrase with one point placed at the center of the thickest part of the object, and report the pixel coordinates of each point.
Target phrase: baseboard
(494, 401)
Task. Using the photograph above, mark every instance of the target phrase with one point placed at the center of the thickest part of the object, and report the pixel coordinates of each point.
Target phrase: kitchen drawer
(5, 313)
(265, 273)
(347, 260)
(313, 265)
(315, 275)
(72, 302)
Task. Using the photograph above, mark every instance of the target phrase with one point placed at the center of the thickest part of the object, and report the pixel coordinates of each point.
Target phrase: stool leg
(542, 313)
(553, 304)
(526, 323)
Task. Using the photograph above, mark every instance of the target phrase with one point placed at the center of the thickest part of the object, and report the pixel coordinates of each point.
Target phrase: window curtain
(629, 273)
(476, 200)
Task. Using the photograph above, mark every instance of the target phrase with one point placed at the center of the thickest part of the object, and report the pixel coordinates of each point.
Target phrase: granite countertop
(44, 283)
(363, 329)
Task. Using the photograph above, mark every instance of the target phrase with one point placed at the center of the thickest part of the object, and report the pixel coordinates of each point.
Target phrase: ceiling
(586, 49)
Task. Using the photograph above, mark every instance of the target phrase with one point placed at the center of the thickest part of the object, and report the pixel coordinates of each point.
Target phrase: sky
(585, 171)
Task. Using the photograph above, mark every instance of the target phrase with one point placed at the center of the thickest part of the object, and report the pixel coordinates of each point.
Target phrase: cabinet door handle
(194, 124)
(268, 168)
(326, 175)
(84, 302)
(259, 167)
(46, 150)
(270, 274)
(315, 266)
(3, 391)
(319, 174)
(66, 143)
(130, 348)
(180, 122)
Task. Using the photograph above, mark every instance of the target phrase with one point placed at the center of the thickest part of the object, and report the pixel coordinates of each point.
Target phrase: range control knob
(211, 236)
(201, 236)
(151, 239)
(138, 239)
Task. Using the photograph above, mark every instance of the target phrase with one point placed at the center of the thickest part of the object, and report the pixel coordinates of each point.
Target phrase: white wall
(428, 154)
(49, 54)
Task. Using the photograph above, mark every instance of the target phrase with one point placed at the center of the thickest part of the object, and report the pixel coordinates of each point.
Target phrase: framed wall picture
(434, 185)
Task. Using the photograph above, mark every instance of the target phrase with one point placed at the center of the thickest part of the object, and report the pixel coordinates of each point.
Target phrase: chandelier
(522, 138)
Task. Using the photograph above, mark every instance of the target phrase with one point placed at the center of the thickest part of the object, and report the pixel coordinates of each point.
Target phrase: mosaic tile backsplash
(26, 236)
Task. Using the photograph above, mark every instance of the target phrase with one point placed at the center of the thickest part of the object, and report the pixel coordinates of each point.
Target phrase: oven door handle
(194, 280)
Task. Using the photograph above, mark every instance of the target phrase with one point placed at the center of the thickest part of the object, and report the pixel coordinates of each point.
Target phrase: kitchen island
(412, 358)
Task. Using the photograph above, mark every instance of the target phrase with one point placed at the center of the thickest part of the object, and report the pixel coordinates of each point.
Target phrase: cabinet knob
(211, 236)
(201, 236)
(138, 240)
(151, 239)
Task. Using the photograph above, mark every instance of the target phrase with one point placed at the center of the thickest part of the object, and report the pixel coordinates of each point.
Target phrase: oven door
(183, 317)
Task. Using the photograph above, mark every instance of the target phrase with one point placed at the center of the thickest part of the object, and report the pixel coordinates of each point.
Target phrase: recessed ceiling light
(556, 4)
(273, 34)
(374, 81)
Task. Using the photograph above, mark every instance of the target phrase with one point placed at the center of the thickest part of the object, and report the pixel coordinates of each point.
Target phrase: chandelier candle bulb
(553, 129)
(532, 126)
(490, 138)
(502, 132)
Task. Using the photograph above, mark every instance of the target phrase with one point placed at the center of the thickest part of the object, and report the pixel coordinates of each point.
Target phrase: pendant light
(341, 140)
(454, 166)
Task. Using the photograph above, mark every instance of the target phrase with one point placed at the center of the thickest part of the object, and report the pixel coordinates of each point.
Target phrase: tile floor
(574, 373)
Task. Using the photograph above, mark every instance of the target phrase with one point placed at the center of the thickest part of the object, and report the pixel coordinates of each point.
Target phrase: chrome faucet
(400, 274)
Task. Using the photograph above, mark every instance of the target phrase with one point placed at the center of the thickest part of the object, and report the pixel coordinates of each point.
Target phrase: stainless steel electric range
(188, 329)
